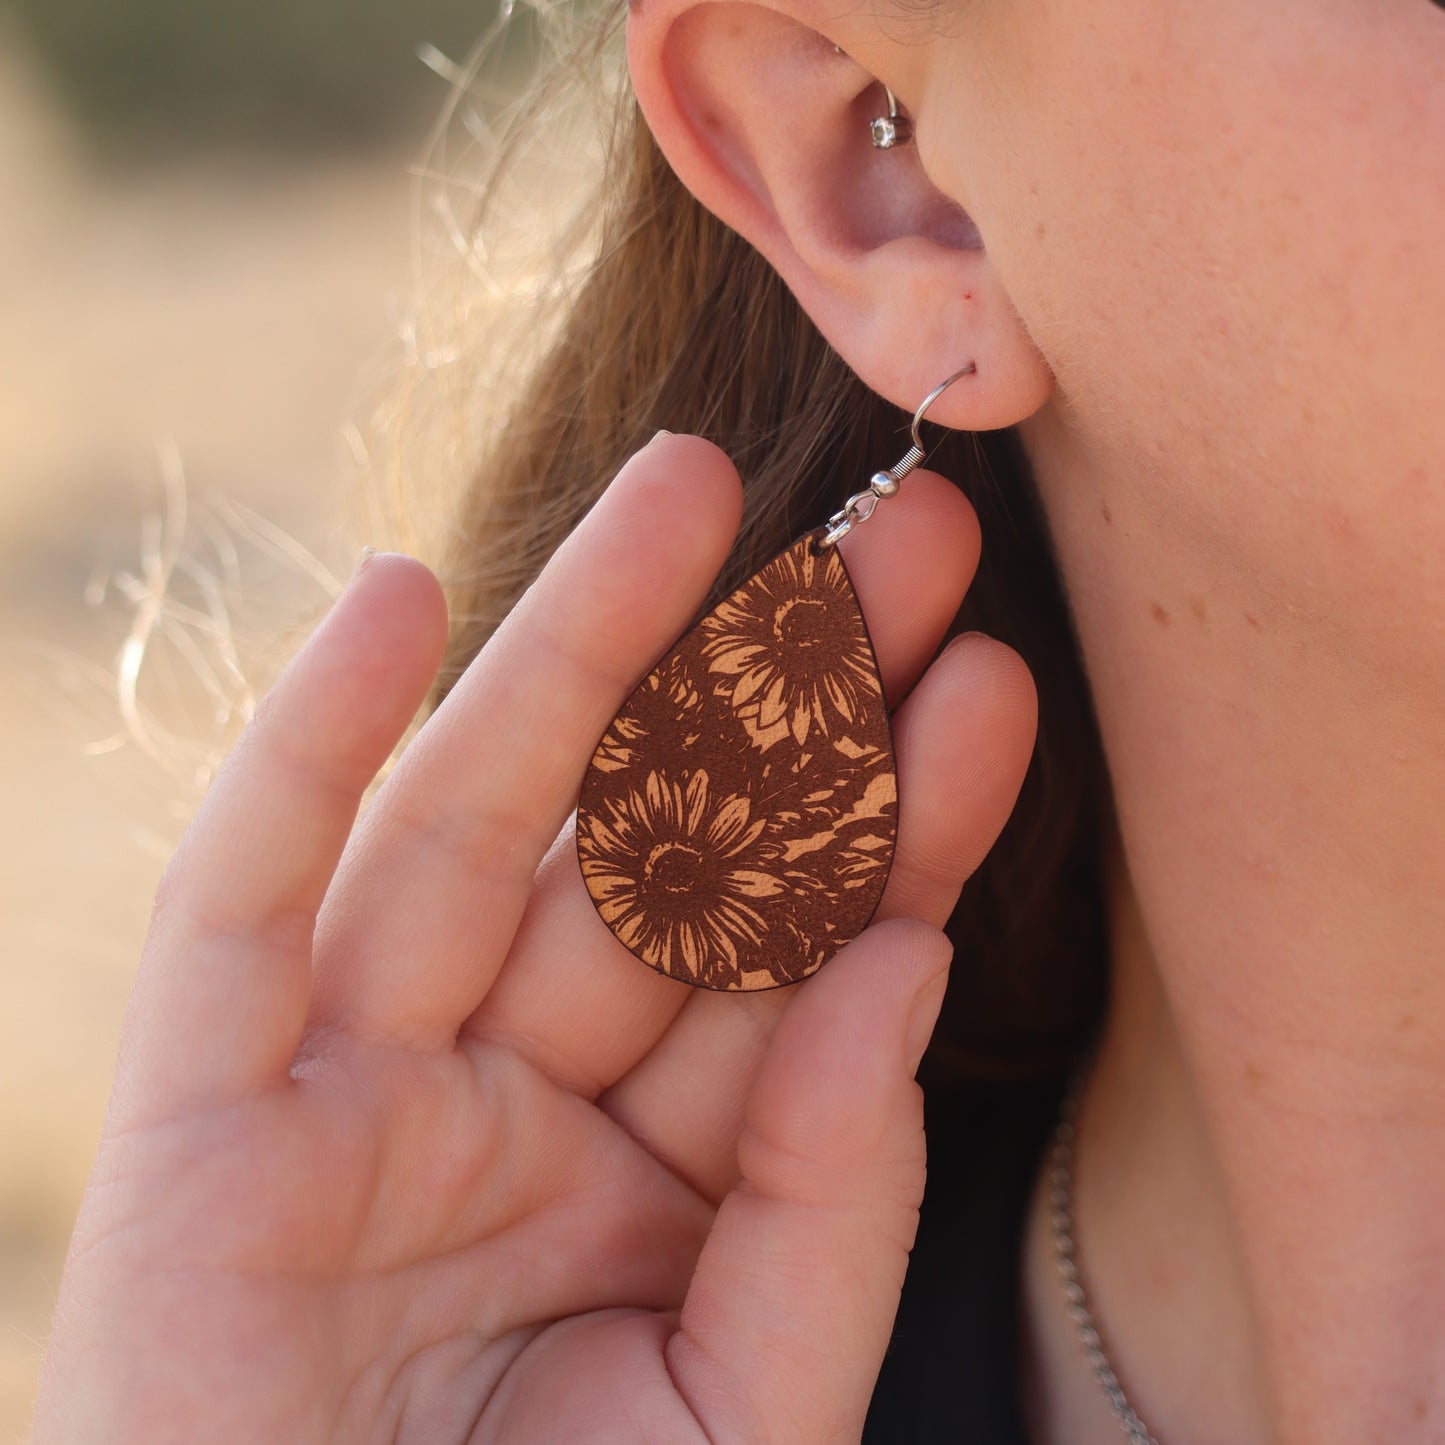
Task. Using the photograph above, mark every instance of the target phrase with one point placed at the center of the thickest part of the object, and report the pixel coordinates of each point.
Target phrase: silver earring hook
(861, 505)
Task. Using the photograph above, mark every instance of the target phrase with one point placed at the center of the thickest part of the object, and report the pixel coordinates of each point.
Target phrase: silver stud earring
(887, 131)
(892, 129)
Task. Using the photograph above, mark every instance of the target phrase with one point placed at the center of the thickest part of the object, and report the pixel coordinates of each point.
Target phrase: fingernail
(662, 432)
(367, 553)
(922, 1017)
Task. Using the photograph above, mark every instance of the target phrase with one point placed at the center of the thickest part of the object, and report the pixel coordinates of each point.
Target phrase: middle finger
(434, 881)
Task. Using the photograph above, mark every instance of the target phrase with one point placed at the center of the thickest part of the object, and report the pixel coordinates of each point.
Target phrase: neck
(1261, 1155)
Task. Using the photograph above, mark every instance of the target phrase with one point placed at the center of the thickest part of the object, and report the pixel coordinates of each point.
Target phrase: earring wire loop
(933, 397)
(861, 505)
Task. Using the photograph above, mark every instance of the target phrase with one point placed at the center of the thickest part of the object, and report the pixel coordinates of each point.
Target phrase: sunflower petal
(696, 802)
(752, 884)
(802, 716)
(749, 683)
(728, 822)
(774, 703)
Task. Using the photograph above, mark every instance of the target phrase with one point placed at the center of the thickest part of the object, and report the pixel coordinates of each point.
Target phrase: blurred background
(208, 272)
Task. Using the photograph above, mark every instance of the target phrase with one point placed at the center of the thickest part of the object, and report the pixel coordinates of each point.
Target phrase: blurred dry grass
(227, 317)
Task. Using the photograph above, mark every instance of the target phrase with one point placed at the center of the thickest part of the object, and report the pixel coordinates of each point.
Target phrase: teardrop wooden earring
(737, 822)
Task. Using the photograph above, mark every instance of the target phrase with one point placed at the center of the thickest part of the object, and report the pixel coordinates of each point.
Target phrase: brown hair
(655, 314)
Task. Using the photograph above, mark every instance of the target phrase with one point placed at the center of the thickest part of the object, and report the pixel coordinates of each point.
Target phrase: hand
(403, 1145)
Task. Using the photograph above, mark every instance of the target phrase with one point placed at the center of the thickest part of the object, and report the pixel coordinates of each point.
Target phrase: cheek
(1223, 226)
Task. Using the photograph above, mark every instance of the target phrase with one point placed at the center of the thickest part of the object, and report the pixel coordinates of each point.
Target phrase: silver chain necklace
(1061, 1216)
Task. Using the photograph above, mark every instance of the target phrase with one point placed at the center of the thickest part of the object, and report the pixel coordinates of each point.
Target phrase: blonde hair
(642, 311)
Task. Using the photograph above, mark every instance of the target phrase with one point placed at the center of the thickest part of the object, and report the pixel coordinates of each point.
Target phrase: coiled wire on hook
(861, 505)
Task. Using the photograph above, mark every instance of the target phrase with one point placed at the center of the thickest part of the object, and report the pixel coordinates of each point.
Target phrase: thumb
(790, 1310)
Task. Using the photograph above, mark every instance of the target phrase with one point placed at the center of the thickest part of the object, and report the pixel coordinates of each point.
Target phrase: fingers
(220, 995)
(429, 896)
(964, 748)
(572, 997)
(964, 738)
(911, 566)
(795, 1293)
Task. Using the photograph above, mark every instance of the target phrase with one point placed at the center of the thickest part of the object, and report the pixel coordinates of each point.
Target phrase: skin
(1195, 254)
(1207, 284)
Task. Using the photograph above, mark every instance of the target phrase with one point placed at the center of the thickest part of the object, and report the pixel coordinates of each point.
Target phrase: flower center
(799, 623)
(673, 867)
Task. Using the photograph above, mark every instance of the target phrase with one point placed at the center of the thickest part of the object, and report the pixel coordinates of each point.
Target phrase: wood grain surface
(737, 822)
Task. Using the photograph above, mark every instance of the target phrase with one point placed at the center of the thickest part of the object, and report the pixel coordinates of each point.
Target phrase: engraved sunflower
(665, 704)
(792, 645)
(677, 875)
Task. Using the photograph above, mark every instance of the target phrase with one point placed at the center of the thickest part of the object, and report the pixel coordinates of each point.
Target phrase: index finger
(429, 898)
(220, 996)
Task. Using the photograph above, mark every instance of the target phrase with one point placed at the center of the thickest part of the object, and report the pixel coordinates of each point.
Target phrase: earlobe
(768, 126)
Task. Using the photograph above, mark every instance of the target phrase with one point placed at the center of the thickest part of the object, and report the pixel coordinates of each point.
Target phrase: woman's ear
(768, 126)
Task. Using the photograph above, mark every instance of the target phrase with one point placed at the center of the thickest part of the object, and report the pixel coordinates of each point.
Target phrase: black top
(952, 1370)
